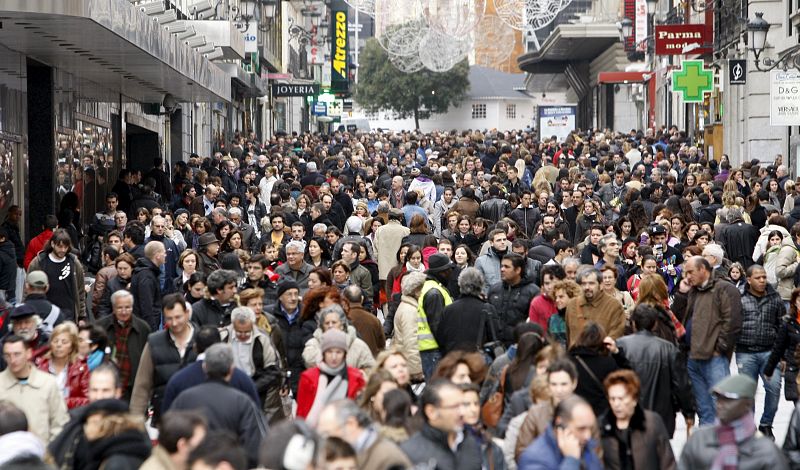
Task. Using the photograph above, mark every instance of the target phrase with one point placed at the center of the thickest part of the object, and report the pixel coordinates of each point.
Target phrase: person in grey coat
(733, 442)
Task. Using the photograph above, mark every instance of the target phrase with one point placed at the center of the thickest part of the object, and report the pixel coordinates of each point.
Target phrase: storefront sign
(320, 109)
(251, 37)
(640, 8)
(557, 121)
(678, 39)
(283, 89)
(737, 71)
(340, 55)
(335, 108)
(784, 98)
(692, 81)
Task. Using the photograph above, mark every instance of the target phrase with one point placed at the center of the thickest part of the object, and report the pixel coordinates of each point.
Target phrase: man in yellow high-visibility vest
(432, 301)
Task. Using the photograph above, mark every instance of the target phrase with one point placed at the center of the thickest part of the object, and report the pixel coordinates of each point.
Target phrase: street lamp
(651, 6)
(757, 29)
(625, 27)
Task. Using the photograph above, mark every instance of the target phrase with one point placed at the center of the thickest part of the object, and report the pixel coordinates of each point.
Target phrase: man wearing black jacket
(145, 287)
(216, 309)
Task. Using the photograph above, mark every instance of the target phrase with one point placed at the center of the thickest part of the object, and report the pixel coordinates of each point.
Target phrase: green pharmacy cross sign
(692, 81)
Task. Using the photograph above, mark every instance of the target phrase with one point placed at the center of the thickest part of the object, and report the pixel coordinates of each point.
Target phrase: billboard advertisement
(557, 121)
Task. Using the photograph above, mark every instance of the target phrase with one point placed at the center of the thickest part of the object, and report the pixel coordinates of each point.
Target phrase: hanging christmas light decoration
(403, 40)
(540, 13)
(407, 64)
(511, 12)
(440, 52)
(364, 6)
(455, 18)
(495, 42)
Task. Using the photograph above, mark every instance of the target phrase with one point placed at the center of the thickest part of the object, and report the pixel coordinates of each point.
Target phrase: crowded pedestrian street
(399, 234)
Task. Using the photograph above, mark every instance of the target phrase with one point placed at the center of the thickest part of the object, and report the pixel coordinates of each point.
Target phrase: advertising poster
(556, 121)
(784, 98)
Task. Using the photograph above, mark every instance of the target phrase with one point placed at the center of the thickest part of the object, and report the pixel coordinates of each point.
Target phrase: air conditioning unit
(196, 41)
(153, 8)
(176, 27)
(188, 33)
(215, 54)
(206, 49)
(167, 17)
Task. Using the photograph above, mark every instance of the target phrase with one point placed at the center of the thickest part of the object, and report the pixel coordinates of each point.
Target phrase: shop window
(511, 111)
(479, 111)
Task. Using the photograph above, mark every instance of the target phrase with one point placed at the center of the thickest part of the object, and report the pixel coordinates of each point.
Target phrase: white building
(495, 100)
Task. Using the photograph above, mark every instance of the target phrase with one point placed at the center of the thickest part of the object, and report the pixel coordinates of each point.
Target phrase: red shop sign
(678, 39)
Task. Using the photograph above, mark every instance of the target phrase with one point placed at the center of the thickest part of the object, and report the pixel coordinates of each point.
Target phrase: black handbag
(494, 348)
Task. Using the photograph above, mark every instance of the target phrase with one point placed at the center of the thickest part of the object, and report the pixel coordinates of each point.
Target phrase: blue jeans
(704, 375)
(752, 365)
(430, 359)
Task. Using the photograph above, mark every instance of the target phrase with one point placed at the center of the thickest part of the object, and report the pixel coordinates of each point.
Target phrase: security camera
(169, 103)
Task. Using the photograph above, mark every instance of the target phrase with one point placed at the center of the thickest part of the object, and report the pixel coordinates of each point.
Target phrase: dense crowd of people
(389, 300)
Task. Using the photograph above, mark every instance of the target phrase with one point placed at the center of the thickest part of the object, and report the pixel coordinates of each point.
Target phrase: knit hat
(108, 406)
(334, 339)
(283, 286)
(736, 387)
(181, 211)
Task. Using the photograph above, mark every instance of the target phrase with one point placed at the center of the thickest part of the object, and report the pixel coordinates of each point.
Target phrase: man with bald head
(203, 205)
(397, 194)
(711, 310)
(145, 286)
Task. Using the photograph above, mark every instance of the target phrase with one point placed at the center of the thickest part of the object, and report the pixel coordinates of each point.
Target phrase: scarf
(729, 436)
(328, 392)
(411, 269)
(121, 356)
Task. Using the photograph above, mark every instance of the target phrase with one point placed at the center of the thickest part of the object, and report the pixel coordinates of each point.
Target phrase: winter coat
(662, 371)
(226, 409)
(429, 448)
(786, 267)
(77, 381)
(649, 445)
(426, 185)
(739, 239)
(467, 206)
(791, 446)
(295, 336)
(104, 307)
(359, 355)
(309, 381)
(266, 374)
(494, 209)
(8, 268)
(603, 309)
(382, 454)
(511, 303)
(489, 265)
(761, 321)
(146, 293)
(35, 246)
(544, 454)
(368, 328)
(785, 346)
(405, 334)
(39, 398)
(713, 318)
(526, 218)
(593, 368)
(126, 450)
(137, 338)
(440, 209)
(763, 240)
(209, 312)
(755, 453)
(462, 322)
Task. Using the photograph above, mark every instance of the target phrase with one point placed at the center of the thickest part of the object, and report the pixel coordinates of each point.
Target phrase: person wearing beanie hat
(330, 380)
(733, 441)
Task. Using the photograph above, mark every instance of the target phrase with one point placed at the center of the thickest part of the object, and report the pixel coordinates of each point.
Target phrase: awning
(624, 77)
(252, 86)
(112, 44)
(568, 43)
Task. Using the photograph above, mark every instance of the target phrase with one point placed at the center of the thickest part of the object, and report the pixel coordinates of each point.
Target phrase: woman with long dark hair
(595, 355)
(317, 253)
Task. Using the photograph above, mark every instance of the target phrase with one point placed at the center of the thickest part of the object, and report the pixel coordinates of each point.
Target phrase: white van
(354, 124)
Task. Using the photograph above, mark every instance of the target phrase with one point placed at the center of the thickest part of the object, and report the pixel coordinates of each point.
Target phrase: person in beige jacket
(405, 323)
(358, 353)
(388, 239)
(37, 395)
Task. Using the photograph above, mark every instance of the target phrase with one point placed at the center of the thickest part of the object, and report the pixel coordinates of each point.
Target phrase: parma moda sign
(678, 39)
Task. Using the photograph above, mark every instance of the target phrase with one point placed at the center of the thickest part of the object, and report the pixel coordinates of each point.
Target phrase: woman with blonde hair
(62, 361)
(653, 292)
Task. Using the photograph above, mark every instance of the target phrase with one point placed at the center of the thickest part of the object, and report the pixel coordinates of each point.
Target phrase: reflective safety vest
(425, 339)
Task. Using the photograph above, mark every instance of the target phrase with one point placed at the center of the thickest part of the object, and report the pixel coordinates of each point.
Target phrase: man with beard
(25, 323)
(489, 264)
(594, 305)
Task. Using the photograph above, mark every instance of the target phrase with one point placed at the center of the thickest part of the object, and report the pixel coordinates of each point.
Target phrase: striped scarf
(730, 436)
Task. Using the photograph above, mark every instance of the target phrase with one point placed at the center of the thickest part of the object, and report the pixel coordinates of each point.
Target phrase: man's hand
(689, 425)
(611, 345)
(568, 443)
(684, 286)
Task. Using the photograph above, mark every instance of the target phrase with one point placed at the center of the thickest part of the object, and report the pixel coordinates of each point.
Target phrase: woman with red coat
(71, 373)
(330, 380)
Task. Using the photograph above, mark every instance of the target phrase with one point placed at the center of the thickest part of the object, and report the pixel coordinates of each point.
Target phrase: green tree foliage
(382, 87)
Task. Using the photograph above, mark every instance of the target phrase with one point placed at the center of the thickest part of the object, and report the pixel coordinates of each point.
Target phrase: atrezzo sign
(280, 89)
(340, 45)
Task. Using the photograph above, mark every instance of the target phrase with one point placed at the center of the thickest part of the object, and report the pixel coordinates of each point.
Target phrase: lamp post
(757, 29)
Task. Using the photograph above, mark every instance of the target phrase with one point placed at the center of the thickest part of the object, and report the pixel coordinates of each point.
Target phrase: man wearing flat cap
(208, 248)
(733, 442)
